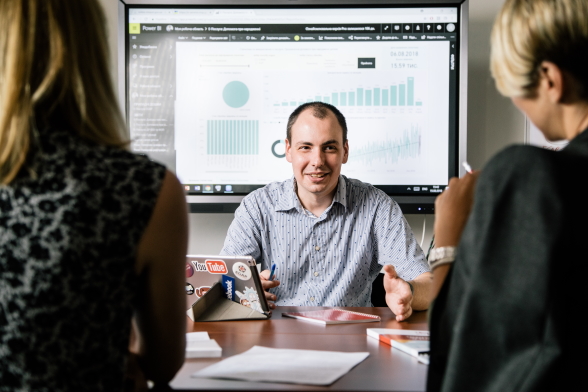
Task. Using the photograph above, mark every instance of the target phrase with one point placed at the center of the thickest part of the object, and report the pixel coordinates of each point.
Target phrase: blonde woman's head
(528, 32)
(53, 73)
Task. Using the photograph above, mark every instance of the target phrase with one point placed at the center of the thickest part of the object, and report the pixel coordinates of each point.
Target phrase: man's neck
(316, 203)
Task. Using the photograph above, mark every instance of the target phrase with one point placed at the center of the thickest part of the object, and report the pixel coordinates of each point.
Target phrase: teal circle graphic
(274, 149)
(236, 94)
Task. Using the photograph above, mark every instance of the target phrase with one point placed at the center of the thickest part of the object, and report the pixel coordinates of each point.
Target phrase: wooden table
(384, 370)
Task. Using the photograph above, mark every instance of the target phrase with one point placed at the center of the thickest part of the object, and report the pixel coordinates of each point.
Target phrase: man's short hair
(320, 110)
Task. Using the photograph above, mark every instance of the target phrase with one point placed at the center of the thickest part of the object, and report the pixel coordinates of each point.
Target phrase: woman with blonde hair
(509, 289)
(91, 236)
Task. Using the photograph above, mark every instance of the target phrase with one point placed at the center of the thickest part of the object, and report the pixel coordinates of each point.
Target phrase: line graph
(390, 150)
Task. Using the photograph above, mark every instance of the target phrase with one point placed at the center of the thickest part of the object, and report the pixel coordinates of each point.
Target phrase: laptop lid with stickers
(237, 274)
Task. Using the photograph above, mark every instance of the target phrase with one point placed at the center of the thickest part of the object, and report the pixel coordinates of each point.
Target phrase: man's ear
(345, 151)
(288, 152)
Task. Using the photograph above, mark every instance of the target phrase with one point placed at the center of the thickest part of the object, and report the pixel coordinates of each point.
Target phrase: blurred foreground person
(91, 236)
(512, 286)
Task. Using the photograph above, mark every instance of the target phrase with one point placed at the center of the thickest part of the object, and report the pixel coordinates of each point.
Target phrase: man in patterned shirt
(328, 235)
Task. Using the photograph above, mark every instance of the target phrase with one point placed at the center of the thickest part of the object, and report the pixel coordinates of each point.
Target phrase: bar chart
(232, 137)
(233, 134)
(394, 94)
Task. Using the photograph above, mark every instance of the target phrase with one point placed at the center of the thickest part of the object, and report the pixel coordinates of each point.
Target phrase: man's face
(316, 153)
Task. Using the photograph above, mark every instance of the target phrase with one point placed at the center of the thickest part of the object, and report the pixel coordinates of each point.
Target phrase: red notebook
(333, 316)
(415, 343)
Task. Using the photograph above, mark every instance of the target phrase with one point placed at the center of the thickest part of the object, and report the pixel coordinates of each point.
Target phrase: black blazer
(508, 316)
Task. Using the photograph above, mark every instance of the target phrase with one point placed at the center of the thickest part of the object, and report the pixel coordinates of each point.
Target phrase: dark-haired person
(508, 313)
(328, 235)
(91, 236)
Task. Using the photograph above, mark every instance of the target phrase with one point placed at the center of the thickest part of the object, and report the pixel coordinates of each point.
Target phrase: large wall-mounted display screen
(209, 91)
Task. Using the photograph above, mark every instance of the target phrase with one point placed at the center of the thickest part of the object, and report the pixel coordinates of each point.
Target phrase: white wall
(493, 122)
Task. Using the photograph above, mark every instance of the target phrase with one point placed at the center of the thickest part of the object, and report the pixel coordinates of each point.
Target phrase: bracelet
(411, 288)
(443, 255)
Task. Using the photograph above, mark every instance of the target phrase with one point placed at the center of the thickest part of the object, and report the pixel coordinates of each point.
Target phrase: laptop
(238, 275)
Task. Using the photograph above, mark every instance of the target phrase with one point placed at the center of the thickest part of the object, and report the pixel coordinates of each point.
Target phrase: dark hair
(319, 110)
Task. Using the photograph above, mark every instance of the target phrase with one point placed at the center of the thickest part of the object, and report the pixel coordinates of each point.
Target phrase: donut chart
(277, 153)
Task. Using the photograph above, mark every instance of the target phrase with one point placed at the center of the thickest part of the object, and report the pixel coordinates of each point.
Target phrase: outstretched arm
(399, 297)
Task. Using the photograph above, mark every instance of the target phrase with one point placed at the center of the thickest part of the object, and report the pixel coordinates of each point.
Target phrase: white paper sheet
(199, 345)
(290, 366)
(196, 336)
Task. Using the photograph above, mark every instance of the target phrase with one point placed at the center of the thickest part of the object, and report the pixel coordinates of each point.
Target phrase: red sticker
(189, 270)
(200, 291)
(216, 266)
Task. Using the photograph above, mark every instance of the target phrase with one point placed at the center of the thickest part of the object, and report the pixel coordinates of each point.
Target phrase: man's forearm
(422, 286)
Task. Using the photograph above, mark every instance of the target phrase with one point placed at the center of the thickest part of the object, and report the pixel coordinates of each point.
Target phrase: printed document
(288, 366)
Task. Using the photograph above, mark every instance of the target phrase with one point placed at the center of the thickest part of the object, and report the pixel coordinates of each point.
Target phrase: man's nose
(318, 158)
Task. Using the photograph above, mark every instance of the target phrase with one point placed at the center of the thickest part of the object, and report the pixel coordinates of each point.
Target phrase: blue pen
(272, 273)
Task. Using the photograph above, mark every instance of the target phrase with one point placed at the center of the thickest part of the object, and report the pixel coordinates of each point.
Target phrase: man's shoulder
(358, 190)
(269, 196)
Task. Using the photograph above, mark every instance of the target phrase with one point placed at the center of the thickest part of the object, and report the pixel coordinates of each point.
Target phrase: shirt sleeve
(244, 234)
(394, 241)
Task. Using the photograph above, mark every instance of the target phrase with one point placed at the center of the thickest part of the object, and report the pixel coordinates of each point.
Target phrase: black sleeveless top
(68, 243)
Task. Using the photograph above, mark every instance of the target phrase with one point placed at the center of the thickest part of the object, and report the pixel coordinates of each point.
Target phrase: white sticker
(242, 271)
(250, 299)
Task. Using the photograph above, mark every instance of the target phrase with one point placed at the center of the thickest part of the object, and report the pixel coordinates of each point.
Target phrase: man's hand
(268, 284)
(398, 294)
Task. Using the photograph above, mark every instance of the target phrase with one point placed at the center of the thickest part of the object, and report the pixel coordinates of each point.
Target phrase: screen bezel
(226, 203)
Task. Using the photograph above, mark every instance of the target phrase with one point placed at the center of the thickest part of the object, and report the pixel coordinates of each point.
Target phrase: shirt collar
(341, 193)
(289, 199)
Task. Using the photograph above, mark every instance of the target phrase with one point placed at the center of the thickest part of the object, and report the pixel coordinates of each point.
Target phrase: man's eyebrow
(305, 143)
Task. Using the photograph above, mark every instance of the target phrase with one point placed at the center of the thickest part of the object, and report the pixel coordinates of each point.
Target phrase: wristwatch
(442, 255)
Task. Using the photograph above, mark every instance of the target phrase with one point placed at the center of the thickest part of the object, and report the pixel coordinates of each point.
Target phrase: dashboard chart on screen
(209, 91)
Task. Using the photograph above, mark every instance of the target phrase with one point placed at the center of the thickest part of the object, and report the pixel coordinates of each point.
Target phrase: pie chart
(236, 94)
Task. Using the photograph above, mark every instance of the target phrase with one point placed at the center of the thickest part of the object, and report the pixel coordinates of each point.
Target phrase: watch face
(445, 254)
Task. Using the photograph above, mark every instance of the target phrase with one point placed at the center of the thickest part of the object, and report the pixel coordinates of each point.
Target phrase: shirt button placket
(318, 257)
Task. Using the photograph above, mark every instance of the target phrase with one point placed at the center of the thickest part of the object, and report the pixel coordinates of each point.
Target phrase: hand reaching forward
(398, 294)
(268, 284)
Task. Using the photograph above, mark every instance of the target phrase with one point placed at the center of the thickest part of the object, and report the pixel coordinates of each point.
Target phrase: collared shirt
(331, 260)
